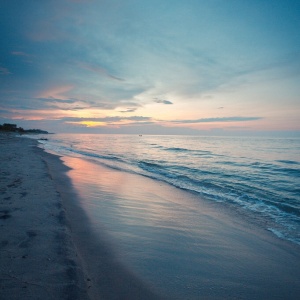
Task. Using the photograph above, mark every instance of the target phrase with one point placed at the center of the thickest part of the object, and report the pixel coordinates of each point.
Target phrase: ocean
(258, 178)
(190, 217)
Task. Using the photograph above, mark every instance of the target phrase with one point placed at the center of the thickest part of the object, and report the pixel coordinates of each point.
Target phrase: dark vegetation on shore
(6, 127)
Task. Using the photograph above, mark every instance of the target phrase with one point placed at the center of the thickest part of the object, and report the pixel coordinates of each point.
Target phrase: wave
(265, 188)
(67, 149)
(290, 162)
(290, 172)
(275, 168)
(252, 195)
(184, 150)
(178, 149)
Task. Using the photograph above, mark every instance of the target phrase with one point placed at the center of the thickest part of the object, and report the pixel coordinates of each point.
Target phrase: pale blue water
(257, 177)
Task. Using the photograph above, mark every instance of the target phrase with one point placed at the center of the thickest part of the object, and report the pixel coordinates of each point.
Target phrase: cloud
(73, 108)
(114, 53)
(157, 100)
(107, 119)
(4, 71)
(7, 113)
(128, 110)
(54, 100)
(141, 123)
(70, 104)
(20, 53)
(218, 120)
(56, 92)
(100, 71)
(73, 104)
(50, 104)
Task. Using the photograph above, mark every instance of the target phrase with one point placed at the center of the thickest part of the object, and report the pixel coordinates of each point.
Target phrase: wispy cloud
(99, 70)
(20, 53)
(102, 58)
(157, 100)
(47, 104)
(128, 110)
(107, 119)
(56, 92)
(73, 104)
(5, 113)
(53, 100)
(4, 71)
(218, 120)
(141, 123)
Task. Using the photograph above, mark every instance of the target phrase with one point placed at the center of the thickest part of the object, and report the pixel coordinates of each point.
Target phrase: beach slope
(37, 257)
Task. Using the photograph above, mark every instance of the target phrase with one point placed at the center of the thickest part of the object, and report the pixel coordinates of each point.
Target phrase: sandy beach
(43, 234)
(180, 247)
(72, 229)
(37, 260)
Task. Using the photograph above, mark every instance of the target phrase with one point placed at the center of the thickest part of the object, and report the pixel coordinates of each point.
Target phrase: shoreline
(47, 248)
(179, 245)
(51, 247)
(105, 276)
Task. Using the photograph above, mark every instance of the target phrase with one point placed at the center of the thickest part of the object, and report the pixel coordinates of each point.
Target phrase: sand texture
(37, 258)
(47, 248)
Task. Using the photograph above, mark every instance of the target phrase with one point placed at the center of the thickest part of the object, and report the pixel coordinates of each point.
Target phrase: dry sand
(37, 257)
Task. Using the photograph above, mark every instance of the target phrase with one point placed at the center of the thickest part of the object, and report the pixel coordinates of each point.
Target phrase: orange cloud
(90, 123)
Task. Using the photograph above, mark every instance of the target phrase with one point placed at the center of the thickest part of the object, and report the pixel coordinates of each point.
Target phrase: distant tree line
(6, 127)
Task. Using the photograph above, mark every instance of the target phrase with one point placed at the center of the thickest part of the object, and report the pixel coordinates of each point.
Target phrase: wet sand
(45, 249)
(95, 233)
(179, 245)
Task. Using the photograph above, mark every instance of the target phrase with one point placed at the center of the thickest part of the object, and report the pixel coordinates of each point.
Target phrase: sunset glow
(90, 123)
(186, 67)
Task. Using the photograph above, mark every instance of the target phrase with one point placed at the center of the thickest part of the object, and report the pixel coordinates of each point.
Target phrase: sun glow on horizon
(209, 71)
(89, 123)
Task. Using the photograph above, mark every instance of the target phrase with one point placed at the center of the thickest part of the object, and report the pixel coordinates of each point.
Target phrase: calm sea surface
(258, 177)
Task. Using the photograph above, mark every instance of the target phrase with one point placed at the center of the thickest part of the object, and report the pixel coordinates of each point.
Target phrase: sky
(151, 66)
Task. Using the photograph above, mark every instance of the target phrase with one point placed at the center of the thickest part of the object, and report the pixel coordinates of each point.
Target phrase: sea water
(258, 177)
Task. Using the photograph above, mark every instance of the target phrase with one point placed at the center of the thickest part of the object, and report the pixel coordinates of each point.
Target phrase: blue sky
(165, 66)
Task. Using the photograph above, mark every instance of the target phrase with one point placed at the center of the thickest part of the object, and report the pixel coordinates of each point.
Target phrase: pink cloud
(56, 92)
